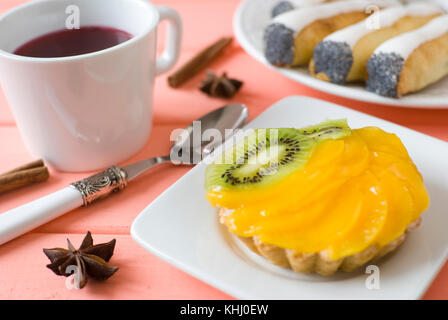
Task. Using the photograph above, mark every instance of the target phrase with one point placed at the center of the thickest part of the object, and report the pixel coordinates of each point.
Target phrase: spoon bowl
(192, 144)
(202, 136)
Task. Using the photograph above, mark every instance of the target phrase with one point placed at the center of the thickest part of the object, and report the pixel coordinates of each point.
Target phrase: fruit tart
(318, 199)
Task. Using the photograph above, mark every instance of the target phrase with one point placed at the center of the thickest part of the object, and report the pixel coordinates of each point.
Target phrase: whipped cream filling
(298, 19)
(386, 18)
(406, 43)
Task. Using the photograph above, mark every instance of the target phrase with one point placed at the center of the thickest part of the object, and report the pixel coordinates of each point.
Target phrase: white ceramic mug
(86, 112)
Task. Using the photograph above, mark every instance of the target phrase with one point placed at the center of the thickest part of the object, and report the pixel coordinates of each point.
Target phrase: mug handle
(173, 39)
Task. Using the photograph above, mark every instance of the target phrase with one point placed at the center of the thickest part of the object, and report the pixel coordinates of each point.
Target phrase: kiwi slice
(267, 156)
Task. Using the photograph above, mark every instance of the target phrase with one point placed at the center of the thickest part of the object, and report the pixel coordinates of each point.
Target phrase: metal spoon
(188, 145)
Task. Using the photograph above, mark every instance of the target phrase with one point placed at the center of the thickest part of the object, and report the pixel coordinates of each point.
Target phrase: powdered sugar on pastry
(406, 43)
(298, 19)
(386, 17)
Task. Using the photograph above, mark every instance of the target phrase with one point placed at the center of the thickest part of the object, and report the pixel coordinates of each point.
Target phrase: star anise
(88, 260)
(222, 86)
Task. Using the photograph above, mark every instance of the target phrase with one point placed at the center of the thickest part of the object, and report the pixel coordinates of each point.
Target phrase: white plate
(181, 227)
(252, 16)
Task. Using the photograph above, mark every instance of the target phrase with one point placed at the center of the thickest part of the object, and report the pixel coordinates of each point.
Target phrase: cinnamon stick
(198, 62)
(24, 175)
(31, 165)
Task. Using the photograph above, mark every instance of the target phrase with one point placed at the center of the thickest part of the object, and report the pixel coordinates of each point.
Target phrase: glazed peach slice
(315, 228)
(248, 222)
(370, 221)
(400, 206)
(355, 158)
(408, 174)
(246, 219)
(350, 163)
(331, 164)
(378, 140)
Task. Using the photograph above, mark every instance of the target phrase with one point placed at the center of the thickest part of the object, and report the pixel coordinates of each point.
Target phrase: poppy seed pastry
(290, 38)
(384, 73)
(284, 6)
(281, 44)
(411, 61)
(318, 199)
(333, 59)
(342, 56)
(281, 7)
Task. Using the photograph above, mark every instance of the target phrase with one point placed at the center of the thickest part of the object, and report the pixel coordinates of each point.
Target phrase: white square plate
(182, 228)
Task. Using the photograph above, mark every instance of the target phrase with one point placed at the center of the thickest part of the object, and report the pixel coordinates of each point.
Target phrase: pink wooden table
(143, 276)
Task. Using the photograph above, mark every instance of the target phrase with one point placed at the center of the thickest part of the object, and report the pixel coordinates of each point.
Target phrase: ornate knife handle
(101, 184)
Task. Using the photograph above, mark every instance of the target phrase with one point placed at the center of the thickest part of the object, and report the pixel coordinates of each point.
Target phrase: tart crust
(319, 262)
